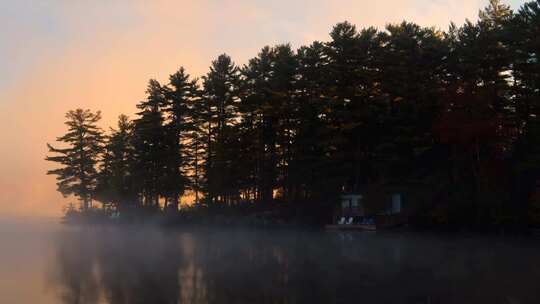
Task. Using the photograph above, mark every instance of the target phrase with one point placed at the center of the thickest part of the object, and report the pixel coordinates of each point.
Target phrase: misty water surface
(44, 262)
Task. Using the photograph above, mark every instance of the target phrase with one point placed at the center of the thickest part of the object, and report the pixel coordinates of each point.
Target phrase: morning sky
(59, 55)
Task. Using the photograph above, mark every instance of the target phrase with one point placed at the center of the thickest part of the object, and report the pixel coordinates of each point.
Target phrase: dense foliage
(456, 112)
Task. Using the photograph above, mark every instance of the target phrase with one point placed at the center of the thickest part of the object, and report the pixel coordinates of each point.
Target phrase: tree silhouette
(149, 141)
(180, 94)
(115, 179)
(78, 173)
(220, 98)
(457, 111)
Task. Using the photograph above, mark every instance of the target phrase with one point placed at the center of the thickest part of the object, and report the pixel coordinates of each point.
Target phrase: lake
(45, 262)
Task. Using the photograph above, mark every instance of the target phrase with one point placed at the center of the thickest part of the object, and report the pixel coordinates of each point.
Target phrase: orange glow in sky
(60, 55)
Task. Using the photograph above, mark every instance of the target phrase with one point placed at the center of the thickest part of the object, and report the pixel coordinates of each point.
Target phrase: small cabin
(385, 207)
(352, 205)
(358, 205)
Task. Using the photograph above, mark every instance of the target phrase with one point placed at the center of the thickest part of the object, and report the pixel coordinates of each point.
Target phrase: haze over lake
(44, 262)
(280, 152)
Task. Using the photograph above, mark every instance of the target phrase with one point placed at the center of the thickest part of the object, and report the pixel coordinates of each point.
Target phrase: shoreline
(232, 223)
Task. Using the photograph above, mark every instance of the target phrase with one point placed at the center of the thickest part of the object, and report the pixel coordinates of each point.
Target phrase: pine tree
(352, 86)
(269, 123)
(313, 170)
(525, 43)
(196, 140)
(220, 98)
(150, 146)
(78, 172)
(495, 15)
(115, 179)
(412, 65)
(524, 38)
(259, 126)
(284, 109)
(180, 93)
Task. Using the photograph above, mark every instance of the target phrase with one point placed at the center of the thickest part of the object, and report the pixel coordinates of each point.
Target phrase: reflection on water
(132, 265)
(142, 265)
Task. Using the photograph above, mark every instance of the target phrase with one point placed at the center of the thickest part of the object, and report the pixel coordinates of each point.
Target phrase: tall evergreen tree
(78, 172)
(220, 96)
(150, 146)
(412, 65)
(258, 125)
(524, 40)
(196, 140)
(352, 87)
(115, 179)
(180, 94)
(312, 171)
(525, 44)
(284, 109)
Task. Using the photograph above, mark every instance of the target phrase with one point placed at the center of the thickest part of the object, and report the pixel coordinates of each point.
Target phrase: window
(396, 203)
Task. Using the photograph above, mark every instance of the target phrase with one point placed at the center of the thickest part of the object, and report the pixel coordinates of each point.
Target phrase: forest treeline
(456, 110)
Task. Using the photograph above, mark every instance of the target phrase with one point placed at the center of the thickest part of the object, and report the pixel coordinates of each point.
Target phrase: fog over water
(45, 262)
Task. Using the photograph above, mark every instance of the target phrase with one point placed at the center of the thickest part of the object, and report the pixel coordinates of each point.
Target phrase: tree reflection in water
(140, 265)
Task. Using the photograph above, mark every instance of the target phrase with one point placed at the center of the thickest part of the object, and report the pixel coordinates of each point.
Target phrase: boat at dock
(352, 227)
(353, 214)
